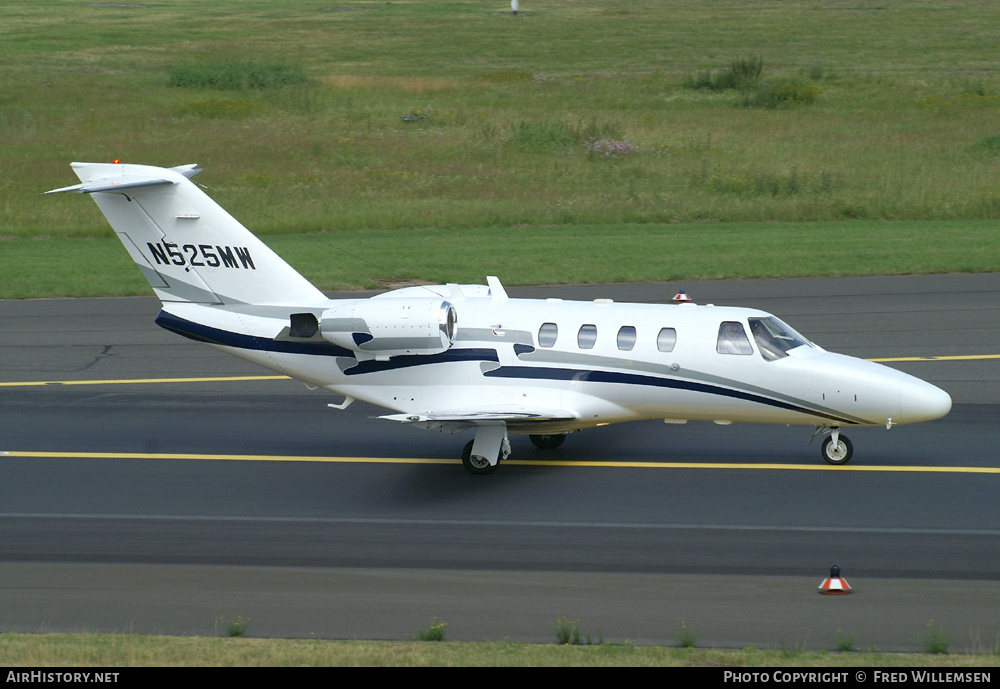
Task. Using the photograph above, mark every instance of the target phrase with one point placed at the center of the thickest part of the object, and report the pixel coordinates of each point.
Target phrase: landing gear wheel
(547, 442)
(477, 466)
(839, 452)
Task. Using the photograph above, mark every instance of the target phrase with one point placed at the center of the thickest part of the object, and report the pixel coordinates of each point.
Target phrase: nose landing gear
(837, 449)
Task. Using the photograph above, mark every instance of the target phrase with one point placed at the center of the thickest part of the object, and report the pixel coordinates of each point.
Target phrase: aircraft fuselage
(606, 362)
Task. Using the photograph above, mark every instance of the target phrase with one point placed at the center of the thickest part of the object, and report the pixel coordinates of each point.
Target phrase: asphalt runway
(170, 506)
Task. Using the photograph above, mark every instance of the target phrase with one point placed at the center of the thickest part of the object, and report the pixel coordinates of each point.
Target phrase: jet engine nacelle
(389, 327)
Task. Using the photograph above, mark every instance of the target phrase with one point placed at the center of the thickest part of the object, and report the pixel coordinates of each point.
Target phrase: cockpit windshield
(775, 338)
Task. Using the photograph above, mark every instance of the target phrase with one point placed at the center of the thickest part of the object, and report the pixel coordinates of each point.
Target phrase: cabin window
(587, 336)
(626, 338)
(774, 338)
(547, 335)
(666, 339)
(733, 339)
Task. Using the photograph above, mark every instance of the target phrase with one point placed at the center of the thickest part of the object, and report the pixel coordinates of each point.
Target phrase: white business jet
(457, 357)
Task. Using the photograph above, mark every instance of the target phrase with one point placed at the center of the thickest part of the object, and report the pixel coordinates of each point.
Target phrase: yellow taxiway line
(137, 381)
(231, 379)
(514, 462)
(964, 357)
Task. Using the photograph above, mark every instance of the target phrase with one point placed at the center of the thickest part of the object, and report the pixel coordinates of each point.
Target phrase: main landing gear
(491, 442)
(477, 464)
(837, 449)
(482, 454)
(547, 442)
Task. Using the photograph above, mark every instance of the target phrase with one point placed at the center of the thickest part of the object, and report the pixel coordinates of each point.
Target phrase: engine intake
(390, 327)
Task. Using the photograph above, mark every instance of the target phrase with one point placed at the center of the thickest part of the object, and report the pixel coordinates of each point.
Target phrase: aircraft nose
(921, 401)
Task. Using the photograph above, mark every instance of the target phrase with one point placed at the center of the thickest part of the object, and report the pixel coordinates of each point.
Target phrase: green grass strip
(135, 650)
(564, 254)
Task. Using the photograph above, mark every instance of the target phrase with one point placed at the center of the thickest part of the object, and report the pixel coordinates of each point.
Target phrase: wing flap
(518, 415)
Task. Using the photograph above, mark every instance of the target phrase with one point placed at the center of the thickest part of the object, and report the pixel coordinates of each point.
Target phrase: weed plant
(742, 74)
(236, 75)
(568, 634)
(687, 637)
(935, 639)
(237, 626)
(989, 145)
(436, 631)
(780, 93)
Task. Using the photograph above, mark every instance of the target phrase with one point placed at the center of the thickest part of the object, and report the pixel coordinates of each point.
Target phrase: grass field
(128, 650)
(578, 129)
(562, 254)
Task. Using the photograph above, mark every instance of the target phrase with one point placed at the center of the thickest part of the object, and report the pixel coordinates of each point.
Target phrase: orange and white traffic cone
(835, 584)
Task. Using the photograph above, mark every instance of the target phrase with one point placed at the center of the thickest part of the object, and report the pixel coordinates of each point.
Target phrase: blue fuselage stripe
(226, 338)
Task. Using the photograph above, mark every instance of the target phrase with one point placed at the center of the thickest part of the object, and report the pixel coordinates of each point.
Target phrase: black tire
(547, 442)
(477, 468)
(837, 454)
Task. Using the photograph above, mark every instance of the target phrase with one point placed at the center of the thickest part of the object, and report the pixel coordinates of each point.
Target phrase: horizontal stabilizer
(106, 185)
(123, 182)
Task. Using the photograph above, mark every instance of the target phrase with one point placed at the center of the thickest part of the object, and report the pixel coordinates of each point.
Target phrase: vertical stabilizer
(186, 245)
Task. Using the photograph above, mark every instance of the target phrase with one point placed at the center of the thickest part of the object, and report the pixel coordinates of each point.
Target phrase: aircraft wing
(456, 420)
